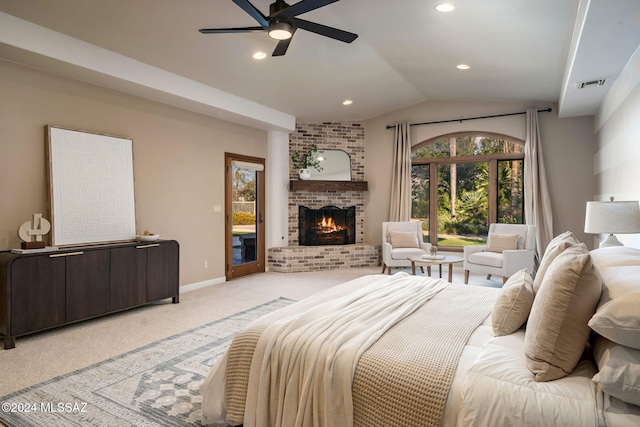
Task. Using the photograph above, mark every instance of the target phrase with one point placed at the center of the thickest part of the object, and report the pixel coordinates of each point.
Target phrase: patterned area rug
(155, 385)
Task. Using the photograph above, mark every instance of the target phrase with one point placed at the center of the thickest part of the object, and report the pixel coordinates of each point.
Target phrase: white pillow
(619, 320)
(619, 267)
(513, 306)
(618, 370)
(502, 242)
(404, 239)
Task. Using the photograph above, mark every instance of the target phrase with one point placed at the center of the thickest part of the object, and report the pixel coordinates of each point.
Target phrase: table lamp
(612, 218)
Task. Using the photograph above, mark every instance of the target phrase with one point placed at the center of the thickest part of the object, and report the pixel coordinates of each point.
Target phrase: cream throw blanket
(303, 366)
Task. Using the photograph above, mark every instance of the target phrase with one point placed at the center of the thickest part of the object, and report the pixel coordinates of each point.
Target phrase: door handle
(260, 220)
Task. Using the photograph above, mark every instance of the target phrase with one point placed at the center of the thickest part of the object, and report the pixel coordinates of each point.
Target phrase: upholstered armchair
(509, 248)
(401, 240)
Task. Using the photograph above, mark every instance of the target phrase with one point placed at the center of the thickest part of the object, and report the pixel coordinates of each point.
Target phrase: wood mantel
(302, 185)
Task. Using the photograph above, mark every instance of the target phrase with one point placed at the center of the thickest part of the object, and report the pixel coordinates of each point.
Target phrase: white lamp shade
(612, 217)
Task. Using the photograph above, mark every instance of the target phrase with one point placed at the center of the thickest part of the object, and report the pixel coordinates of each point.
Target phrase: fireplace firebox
(329, 225)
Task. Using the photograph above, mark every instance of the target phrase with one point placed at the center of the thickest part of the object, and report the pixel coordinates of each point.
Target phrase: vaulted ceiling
(406, 52)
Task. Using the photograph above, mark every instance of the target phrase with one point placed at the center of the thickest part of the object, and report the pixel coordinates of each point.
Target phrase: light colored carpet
(42, 356)
(157, 385)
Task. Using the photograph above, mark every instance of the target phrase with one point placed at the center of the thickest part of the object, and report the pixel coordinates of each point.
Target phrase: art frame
(91, 187)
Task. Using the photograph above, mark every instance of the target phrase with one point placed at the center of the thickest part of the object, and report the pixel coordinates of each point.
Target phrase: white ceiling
(406, 52)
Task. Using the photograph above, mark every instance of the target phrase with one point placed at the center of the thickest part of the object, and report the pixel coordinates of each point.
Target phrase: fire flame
(328, 225)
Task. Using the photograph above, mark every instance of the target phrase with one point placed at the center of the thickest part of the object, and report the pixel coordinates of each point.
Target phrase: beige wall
(617, 157)
(568, 146)
(178, 159)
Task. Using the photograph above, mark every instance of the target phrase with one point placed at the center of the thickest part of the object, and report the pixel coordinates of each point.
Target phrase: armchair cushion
(405, 253)
(502, 242)
(403, 239)
(492, 259)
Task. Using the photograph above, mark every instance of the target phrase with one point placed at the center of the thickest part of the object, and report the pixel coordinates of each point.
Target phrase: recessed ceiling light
(463, 67)
(347, 102)
(259, 55)
(445, 7)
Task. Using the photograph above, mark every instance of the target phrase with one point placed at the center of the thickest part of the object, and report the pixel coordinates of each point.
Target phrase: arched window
(463, 182)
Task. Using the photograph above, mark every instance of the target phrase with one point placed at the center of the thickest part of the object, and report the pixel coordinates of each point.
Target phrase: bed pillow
(557, 330)
(403, 239)
(502, 242)
(619, 267)
(513, 306)
(555, 247)
(618, 370)
(619, 320)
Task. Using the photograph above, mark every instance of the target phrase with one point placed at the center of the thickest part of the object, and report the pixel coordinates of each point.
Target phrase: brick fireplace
(349, 137)
(329, 225)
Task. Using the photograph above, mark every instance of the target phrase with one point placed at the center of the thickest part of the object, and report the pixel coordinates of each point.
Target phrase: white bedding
(480, 336)
(216, 379)
(620, 414)
(492, 387)
(303, 366)
(515, 399)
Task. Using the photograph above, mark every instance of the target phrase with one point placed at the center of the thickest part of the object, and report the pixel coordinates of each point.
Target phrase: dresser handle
(57, 255)
(153, 245)
(66, 254)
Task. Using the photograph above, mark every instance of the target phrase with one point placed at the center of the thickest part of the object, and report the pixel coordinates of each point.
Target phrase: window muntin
(420, 195)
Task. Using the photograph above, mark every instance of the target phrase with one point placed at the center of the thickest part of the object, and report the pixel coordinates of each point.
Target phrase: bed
(416, 351)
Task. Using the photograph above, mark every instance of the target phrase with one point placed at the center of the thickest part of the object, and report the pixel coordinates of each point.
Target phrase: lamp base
(611, 240)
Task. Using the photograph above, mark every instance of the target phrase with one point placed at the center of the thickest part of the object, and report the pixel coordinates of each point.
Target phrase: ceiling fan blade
(255, 13)
(302, 7)
(323, 30)
(231, 30)
(283, 45)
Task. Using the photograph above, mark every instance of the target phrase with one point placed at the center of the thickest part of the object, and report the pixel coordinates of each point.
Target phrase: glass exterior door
(245, 215)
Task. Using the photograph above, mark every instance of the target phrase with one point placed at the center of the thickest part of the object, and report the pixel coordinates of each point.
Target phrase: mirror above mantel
(336, 166)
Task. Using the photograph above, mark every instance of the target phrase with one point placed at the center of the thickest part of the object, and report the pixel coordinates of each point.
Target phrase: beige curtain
(537, 204)
(400, 209)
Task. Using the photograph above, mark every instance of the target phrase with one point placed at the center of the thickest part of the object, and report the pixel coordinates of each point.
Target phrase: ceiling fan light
(280, 30)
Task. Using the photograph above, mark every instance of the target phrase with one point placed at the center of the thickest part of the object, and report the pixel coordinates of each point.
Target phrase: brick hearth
(293, 259)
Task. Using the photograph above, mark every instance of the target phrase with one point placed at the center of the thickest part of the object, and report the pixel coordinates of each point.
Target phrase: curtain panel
(537, 203)
(400, 208)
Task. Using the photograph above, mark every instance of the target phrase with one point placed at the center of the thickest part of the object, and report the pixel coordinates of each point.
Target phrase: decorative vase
(305, 173)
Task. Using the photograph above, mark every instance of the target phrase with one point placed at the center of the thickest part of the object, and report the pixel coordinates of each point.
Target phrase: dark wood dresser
(43, 290)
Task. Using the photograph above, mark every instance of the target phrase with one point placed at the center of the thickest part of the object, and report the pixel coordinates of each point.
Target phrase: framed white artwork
(91, 187)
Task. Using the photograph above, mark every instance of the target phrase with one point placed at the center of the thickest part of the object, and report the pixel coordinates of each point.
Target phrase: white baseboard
(199, 285)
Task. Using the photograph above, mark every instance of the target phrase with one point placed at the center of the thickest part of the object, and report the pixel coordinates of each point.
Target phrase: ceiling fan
(282, 23)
